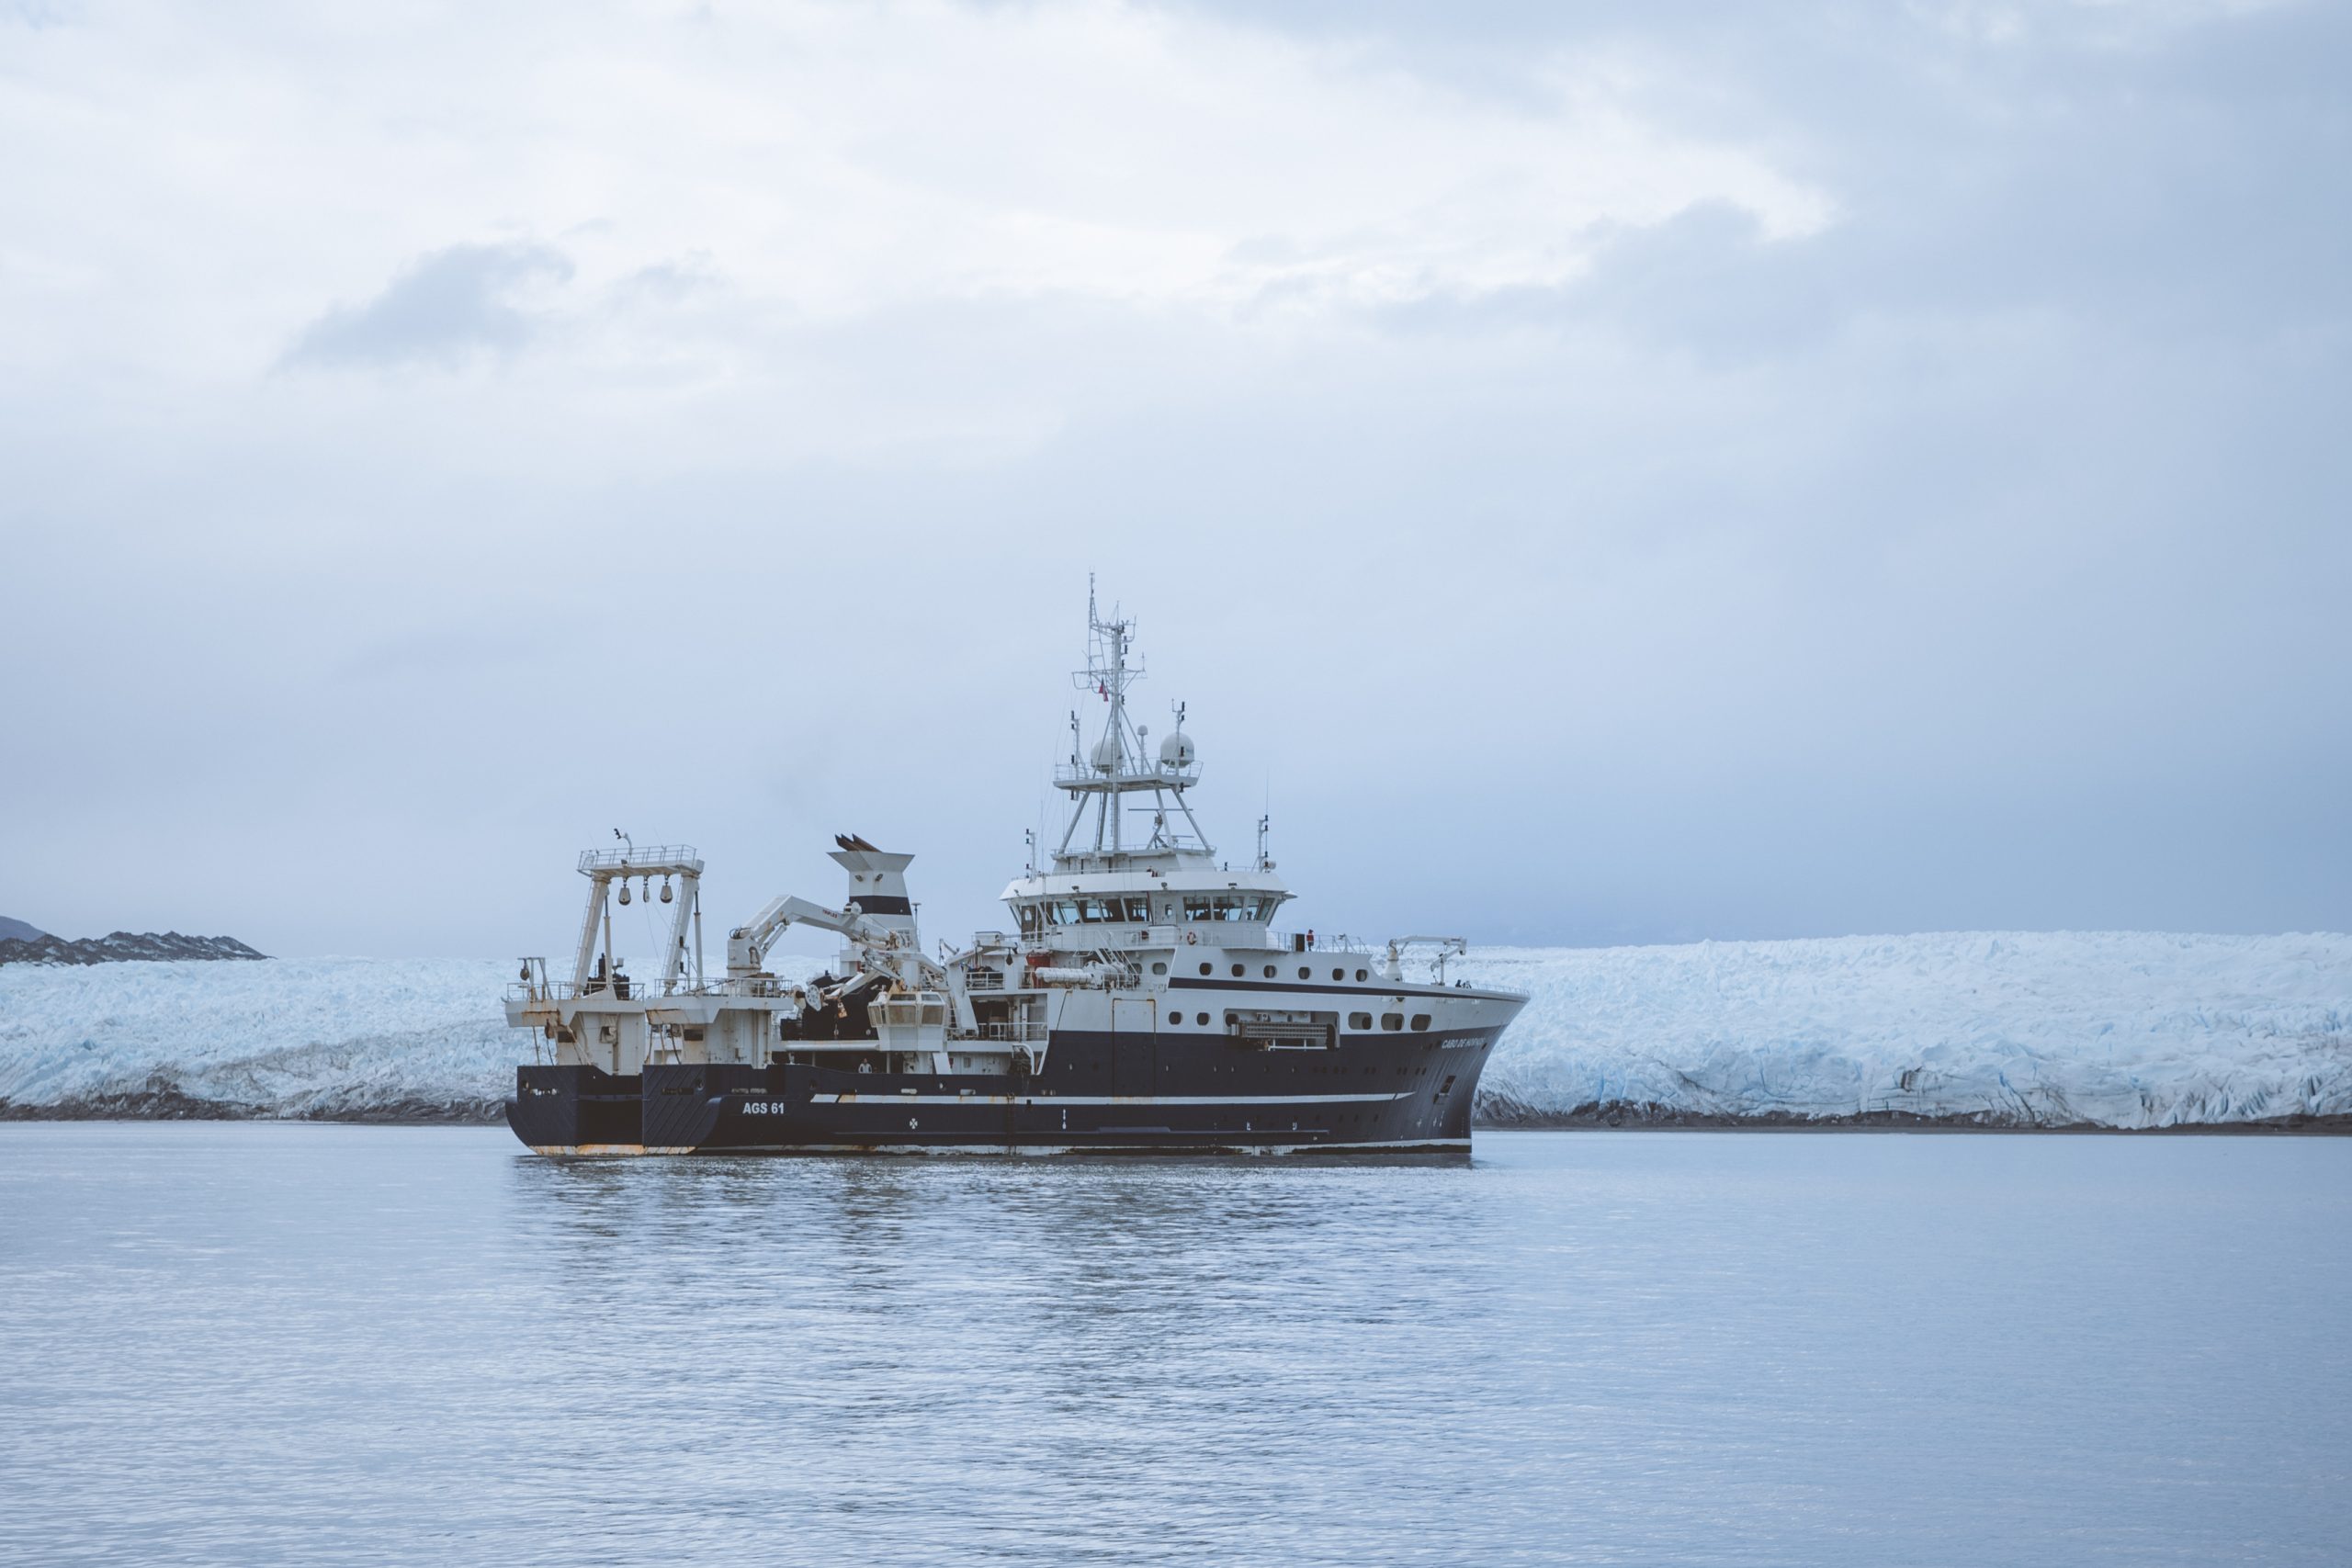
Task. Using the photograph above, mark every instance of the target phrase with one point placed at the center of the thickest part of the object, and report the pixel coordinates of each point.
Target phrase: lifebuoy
(1191, 937)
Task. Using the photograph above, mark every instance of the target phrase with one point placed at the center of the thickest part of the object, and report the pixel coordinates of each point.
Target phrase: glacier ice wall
(295, 1037)
(2117, 1029)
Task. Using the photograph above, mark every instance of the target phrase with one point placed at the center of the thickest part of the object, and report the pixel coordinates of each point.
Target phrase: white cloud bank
(1733, 470)
(222, 182)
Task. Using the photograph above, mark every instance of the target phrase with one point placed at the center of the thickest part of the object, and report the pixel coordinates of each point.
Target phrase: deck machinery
(1142, 1002)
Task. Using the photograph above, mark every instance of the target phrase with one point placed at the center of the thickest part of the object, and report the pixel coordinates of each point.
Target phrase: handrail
(644, 991)
(647, 860)
(1282, 940)
(1067, 773)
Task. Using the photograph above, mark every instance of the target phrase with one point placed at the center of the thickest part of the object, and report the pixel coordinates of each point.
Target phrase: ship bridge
(1133, 867)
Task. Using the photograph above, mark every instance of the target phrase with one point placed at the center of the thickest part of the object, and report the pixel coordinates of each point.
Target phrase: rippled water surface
(257, 1343)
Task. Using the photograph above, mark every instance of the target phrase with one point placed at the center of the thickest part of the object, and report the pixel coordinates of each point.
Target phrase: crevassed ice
(2115, 1029)
(2119, 1029)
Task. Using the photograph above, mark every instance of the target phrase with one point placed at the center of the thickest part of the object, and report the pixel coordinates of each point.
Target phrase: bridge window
(1092, 911)
(1235, 907)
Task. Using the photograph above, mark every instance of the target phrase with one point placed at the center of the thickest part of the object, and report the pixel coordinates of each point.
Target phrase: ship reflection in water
(237, 1342)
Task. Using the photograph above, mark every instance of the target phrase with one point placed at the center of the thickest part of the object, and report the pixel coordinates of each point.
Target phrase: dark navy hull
(577, 1111)
(1129, 1093)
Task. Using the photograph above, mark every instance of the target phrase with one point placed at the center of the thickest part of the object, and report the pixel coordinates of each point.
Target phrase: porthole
(1203, 1020)
(1176, 1021)
(1339, 974)
(1359, 1021)
(1421, 1022)
(1159, 969)
(1208, 968)
(1237, 970)
(1270, 971)
(1303, 972)
(1392, 1021)
(1361, 976)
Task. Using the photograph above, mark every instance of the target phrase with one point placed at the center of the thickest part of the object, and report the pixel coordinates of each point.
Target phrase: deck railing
(640, 858)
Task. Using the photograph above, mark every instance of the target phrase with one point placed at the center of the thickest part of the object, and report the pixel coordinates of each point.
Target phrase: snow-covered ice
(2117, 1029)
(322, 1037)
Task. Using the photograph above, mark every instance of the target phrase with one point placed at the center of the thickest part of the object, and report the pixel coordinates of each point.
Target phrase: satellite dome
(1106, 755)
(1176, 751)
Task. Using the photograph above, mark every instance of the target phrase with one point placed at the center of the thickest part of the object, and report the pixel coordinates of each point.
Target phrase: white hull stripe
(1050, 1100)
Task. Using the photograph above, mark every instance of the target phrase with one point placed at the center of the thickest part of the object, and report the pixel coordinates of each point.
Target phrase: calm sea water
(251, 1344)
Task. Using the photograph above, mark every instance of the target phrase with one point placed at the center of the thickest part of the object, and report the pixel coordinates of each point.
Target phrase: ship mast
(1120, 762)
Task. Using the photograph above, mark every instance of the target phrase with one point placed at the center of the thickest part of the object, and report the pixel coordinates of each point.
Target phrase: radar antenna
(1119, 763)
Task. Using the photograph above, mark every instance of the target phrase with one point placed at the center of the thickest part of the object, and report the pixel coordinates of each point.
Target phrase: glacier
(2104, 1029)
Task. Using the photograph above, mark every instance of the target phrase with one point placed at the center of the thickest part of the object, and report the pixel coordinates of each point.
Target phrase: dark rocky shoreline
(1503, 1114)
(167, 1102)
(124, 947)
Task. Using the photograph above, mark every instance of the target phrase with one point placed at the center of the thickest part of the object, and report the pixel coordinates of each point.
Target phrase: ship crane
(1447, 947)
(884, 952)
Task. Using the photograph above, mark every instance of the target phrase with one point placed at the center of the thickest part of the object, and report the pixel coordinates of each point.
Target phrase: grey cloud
(447, 649)
(1974, 563)
(447, 307)
(1705, 281)
(670, 282)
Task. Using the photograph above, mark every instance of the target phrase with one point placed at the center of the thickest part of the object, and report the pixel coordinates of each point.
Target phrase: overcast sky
(1597, 473)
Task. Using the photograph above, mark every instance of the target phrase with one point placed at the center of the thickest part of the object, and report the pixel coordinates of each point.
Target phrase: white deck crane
(1447, 947)
(884, 951)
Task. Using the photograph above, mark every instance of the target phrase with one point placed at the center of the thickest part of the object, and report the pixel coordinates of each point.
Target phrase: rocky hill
(18, 931)
(122, 946)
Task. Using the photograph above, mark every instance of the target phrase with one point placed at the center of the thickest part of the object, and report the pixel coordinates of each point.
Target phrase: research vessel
(1143, 1001)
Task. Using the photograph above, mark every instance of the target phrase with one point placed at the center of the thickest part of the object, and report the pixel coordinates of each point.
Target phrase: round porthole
(1237, 971)
(1360, 974)
(1270, 971)
(1303, 972)
(1339, 974)
(1208, 968)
